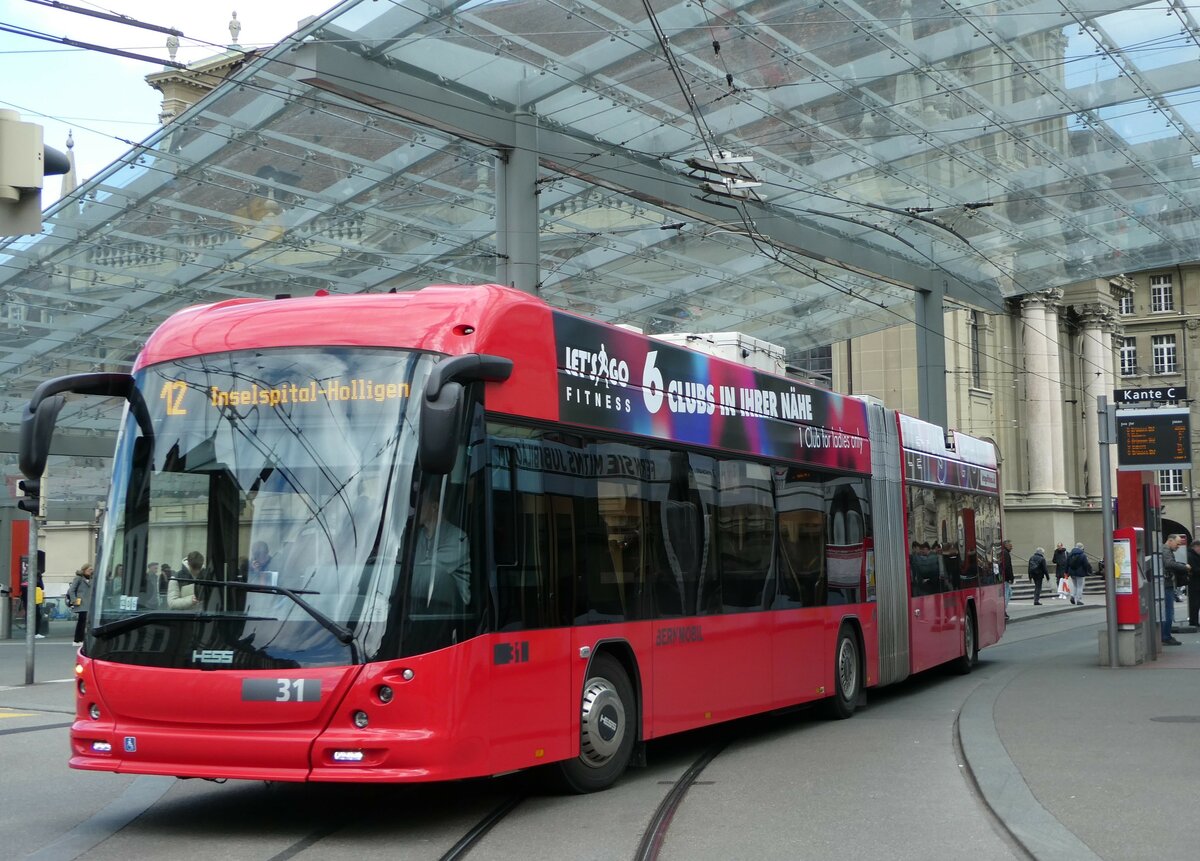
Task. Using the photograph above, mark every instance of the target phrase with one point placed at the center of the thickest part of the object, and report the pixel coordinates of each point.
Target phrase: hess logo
(212, 656)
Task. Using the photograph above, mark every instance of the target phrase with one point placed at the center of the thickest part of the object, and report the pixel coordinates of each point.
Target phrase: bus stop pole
(31, 606)
(1106, 432)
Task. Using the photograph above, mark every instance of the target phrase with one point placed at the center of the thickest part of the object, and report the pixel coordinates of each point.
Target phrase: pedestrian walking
(1078, 567)
(1173, 571)
(36, 606)
(1060, 570)
(79, 595)
(1037, 573)
(1006, 571)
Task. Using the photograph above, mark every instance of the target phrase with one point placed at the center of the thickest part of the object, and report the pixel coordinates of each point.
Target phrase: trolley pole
(31, 607)
(1107, 431)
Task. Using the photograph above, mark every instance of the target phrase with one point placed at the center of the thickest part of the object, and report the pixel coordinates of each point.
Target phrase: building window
(1128, 357)
(1125, 307)
(1161, 297)
(1170, 480)
(1164, 354)
(815, 364)
(976, 352)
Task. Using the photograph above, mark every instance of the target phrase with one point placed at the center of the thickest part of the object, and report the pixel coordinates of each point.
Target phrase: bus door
(530, 715)
(934, 628)
(802, 649)
(709, 567)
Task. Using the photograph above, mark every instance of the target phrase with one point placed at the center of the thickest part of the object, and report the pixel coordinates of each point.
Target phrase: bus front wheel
(606, 728)
(847, 675)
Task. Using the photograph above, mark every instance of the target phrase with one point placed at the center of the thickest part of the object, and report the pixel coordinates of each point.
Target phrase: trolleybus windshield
(263, 523)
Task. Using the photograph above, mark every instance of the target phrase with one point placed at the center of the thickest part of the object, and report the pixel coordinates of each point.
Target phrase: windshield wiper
(117, 626)
(344, 634)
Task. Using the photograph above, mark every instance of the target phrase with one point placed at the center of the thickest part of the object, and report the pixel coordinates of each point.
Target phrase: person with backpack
(1037, 573)
(1079, 567)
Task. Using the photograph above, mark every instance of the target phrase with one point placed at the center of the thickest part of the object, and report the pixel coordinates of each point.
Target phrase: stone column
(1097, 363)
(1035, 430)
(1057, 436)
(1112, 332)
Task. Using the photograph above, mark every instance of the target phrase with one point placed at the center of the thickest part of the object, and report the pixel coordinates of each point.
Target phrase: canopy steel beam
(411, 95)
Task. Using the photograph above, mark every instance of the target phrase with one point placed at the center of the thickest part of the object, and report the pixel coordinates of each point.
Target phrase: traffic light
(24, 160)
(31, 499)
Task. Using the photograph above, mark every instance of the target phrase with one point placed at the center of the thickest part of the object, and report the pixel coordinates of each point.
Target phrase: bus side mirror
(441, 407)
(440, 415)
(37, 429)
(39, 417)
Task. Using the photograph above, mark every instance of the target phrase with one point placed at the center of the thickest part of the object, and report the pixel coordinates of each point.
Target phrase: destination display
(322, 382)
(1154, 439)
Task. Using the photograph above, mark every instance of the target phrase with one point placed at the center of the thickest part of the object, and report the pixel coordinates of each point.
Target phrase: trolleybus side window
(799, 495)
(848, 510)
(534, 534)
(446, 585)
(573, 552)
(955, 537)
(610, 517)
(824, 523)
(745, 534)
(681, 562)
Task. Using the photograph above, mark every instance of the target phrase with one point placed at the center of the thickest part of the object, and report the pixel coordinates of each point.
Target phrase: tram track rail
(656, 832)
(473, 837)
(652, 839)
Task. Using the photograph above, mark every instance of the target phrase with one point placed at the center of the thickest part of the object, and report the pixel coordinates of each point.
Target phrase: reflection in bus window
(824, 528)
(590, 531)
(745, 533)
(954, 538)
(681, 559)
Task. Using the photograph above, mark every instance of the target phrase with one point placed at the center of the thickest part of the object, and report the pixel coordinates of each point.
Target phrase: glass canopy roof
(869, 151)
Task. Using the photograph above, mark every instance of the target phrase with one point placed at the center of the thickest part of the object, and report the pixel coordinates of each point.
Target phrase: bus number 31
(511, 653)
(281, 690)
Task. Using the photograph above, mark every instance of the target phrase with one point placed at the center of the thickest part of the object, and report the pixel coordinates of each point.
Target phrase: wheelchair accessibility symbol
(130, 744)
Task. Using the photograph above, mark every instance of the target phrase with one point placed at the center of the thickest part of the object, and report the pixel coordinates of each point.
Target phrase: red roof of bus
(446, 319)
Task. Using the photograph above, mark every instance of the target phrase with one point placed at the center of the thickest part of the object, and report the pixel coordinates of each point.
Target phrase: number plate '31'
(281, 690)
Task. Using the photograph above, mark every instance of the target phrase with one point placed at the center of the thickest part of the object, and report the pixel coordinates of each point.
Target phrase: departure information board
(1154, 439)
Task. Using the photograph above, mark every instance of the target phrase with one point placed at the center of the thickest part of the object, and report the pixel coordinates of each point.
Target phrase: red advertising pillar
(14, 546)
(1139, 506)
(1131, 497)
(18, 547)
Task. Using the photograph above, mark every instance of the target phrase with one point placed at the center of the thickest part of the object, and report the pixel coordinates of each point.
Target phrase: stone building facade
(1030, 378)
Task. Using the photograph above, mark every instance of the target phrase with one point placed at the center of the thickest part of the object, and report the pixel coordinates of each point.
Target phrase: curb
(1002, 786)
(1058, 611)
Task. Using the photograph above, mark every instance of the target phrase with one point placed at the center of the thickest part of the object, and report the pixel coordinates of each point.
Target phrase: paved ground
(1075, 759)
(1082, 761)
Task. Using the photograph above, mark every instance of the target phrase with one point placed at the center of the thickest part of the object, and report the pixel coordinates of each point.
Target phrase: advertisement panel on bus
(620, 380)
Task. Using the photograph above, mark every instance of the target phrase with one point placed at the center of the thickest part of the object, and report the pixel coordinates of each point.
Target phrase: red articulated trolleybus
(456, 532)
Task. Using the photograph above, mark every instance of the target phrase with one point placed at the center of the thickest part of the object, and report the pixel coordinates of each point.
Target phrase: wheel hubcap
(847, 669)
(603, 723)
(970, 639)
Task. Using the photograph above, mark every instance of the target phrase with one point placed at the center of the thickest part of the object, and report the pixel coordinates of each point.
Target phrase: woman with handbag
(78, 594)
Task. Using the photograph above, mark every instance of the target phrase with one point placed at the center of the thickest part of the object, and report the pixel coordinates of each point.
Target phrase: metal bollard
(5, 612)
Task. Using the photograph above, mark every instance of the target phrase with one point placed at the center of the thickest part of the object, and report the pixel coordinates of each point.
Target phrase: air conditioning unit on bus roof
(734, 346)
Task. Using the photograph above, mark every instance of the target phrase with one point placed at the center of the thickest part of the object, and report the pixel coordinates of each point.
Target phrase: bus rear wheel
(847, 675)
(970, 655)
(606, 728)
